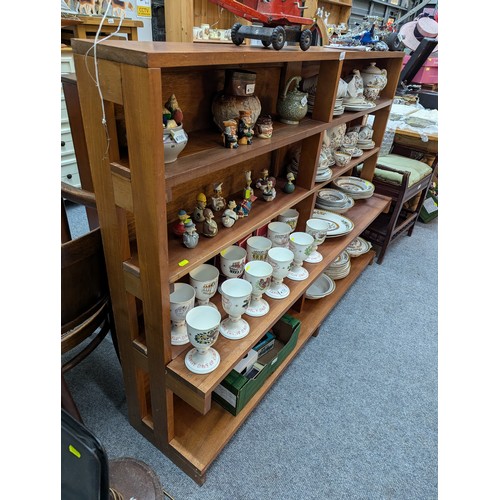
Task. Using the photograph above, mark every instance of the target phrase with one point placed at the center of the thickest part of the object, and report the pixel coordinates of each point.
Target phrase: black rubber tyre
(236, 38)
(305, 39)
(278, 38)
(393, 42)
(265, 43)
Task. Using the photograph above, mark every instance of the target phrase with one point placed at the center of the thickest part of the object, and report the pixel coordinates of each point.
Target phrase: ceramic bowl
(341, 159)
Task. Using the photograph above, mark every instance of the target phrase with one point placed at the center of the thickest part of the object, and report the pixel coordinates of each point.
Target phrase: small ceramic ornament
(248, 190)
(179, 226)
(264, 127)
(210, 228)
(289, 187)
(229, 217)
(173, 107)
(243, 209)
(190, 237)
(201, 204)
(262, 181)
(218, 202)
(245, 132)
(229, 136)
(269, 192)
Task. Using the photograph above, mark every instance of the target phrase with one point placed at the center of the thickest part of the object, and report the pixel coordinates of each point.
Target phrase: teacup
(290, 217)
(236, 294)
(279, 233)
(371, 93)
(257, 248)
(203, 330)
(349, 150)
(366, 133)
(341, 159)
(350, 138)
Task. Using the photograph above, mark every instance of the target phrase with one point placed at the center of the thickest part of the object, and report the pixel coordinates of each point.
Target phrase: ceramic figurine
(262, 181)
(245, 132)
(243, 209)
(248, 190)
(173, 107)
(269, 192)
(210, 228)
(229, 217)
(179, 227)
(218, 202)
(201, 204)
(229, 136)
(289, 187)
(190, 237)
(264, 127)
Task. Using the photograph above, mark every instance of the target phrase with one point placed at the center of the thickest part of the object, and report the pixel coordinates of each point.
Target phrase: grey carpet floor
(354, 416)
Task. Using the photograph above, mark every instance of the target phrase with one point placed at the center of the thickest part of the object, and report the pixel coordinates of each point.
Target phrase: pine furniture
(138, 198)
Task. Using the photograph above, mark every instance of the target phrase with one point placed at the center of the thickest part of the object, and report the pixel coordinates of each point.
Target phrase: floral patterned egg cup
(181, 302)
(301, 244)
(203, 324)
(280, 259)
(317, 228)
(204, 280)
(258, 274)
(236, 294)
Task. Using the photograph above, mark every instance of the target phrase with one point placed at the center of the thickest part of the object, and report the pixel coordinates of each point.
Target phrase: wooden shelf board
(201, 386)
(200, 438)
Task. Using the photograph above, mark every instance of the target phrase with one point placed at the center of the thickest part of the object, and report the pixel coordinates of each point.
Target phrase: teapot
(292, 105)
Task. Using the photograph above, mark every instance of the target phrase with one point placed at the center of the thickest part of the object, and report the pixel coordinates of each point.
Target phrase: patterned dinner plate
(358, 246)
(339, 225)
(354, 185)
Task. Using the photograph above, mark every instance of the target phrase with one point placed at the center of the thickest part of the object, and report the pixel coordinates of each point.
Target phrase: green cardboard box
(234, 392)
(429, 210)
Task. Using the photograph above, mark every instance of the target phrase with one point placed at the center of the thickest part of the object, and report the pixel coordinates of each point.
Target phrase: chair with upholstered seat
(86, 315)
(406, 181)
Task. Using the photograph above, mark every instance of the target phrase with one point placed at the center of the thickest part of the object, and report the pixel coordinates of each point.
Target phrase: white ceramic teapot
(374, 77)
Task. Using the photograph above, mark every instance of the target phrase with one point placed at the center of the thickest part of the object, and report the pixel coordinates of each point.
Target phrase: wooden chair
(408, 191)
(86, 314)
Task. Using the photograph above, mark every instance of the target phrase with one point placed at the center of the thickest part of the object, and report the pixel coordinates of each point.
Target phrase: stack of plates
(322, 287)
(334, 200)
(357, 104)
(323, 173)
(369, 144)
(339, 108)
(339, 225)
(355, 187)
(358, 246)
(358, 152)
(340, 267)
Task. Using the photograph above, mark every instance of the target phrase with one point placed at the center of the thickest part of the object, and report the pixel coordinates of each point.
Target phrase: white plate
(358, 107)
(320, 288)
(339, 225)
(354, 185)
(358, 246)
(332, 197)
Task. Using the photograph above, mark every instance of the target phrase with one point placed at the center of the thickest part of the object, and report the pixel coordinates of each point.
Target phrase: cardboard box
(429, 210)
(234, 392)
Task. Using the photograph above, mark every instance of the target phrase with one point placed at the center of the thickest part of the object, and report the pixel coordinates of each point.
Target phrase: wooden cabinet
(138, 198)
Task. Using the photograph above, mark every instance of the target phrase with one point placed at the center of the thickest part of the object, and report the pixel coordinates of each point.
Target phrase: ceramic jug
(292, 105)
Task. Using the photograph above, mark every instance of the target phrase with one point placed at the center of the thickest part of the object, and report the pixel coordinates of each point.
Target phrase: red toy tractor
(281, 21)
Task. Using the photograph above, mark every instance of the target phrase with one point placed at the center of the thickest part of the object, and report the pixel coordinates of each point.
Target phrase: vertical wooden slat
(143, 121)
(179, 20)
(329, 71)
(114, 231)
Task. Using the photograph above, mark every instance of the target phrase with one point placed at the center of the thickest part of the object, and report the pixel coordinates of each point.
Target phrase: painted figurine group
(204, 210)
(240, 130)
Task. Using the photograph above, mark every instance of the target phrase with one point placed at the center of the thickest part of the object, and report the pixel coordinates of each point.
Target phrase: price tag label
(250, 88)
(342, 56)
(304, 101)
(143, 8)
(111, 20)
(179, 135)
(182, 263)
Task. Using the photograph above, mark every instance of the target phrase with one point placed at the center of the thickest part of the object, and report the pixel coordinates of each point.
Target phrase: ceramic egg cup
(317, 228)
(280, 259)
(181, 302)
(204, 280)
(232, 262)
(258, 274)
(236, 294)
(203, 330)
(301, 245)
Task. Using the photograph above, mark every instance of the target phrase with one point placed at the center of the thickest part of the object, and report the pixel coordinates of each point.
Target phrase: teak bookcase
(138, 197)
